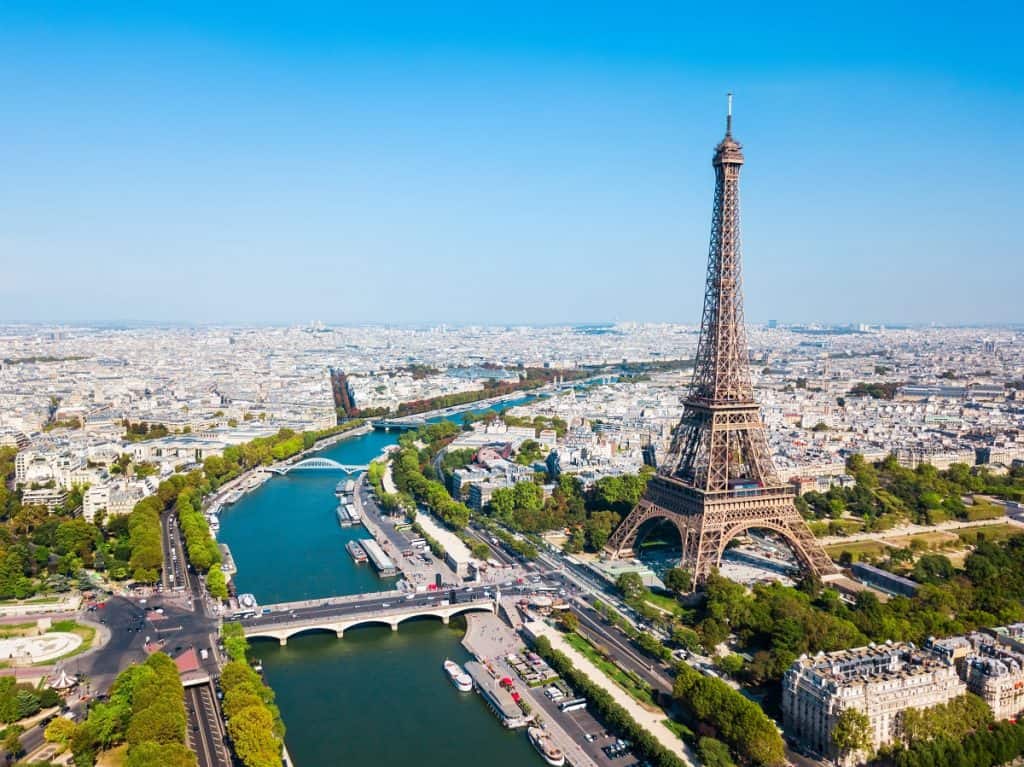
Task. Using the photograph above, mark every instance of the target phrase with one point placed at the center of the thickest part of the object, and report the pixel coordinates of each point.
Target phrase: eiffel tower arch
(718, 479)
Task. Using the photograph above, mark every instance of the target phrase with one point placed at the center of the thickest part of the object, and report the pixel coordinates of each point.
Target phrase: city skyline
(212, 168)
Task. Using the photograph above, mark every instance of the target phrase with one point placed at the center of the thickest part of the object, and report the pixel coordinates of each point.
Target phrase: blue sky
(519, 162)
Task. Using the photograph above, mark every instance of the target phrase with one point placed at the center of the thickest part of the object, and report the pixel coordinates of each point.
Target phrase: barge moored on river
(546, 747)
(357, 552)
(347, 515)
(463, 682)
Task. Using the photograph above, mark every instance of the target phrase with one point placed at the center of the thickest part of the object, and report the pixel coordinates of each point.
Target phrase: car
(385, 604)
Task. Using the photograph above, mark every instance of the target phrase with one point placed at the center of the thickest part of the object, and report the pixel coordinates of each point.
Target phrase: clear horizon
(267, 164)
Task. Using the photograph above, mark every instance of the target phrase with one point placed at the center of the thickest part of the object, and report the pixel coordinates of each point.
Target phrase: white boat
(463, 682)
(546, 747)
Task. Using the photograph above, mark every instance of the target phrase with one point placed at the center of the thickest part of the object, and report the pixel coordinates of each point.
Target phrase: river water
(375, 697)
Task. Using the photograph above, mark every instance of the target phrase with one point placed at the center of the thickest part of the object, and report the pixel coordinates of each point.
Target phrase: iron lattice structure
(718, 478)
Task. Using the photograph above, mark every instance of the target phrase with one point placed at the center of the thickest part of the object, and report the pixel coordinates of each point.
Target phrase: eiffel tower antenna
(717, 479)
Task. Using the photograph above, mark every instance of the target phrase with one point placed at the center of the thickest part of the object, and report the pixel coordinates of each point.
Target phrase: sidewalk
(911, 529)
(652, 722)
(386, 480)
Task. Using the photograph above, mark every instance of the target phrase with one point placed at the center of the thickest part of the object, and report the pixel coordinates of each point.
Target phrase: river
(376, 697)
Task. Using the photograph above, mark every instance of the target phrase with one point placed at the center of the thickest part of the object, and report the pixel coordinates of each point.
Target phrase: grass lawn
(12, 630)
(858, 549)
(662, 602)
(927, 540)
(115, 757)
(681, 730)
(982, 510)
(991, 533)
(636, 689)
(34, 601)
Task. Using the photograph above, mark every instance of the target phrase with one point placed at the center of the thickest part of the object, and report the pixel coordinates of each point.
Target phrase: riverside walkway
(653, 722)
(491, 640)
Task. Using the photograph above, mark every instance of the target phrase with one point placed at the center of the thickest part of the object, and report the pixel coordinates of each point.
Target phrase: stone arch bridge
(282, 623)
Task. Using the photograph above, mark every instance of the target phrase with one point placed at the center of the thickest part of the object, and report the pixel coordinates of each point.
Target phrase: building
(49, 497)
(891, 583)
(992, 665)
(995, 673)
(480, 494)
(879, 680)
(115, 499)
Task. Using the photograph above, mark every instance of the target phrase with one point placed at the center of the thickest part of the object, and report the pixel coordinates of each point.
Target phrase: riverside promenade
(653, 722)
(490, 640)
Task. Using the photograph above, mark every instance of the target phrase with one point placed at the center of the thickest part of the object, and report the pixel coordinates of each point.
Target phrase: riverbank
(653, 722)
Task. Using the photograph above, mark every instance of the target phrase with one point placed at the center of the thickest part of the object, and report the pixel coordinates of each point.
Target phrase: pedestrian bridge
(317, 464)
(399, 424)
(281, 626)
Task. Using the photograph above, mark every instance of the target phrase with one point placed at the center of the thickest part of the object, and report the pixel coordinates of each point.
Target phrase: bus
(572, 705)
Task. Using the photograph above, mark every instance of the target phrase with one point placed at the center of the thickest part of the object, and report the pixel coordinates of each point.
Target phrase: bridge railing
(331, 601)
(273, 621)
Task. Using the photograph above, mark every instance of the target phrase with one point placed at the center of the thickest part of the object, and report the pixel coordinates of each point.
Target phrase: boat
(353, 514)
(463, 682)
(339, 489)
(546, 747)
(343, 518)
(356, 551)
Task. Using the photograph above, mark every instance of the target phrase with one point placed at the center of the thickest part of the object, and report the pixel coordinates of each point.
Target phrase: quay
(382, 562)
(492, 641)
(497, 697)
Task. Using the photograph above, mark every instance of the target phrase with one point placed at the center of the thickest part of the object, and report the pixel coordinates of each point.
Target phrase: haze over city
(258, 162)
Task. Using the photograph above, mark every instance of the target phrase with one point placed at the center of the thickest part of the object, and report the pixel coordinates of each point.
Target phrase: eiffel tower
(718, 479)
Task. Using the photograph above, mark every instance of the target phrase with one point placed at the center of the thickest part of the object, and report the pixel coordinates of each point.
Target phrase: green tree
(714, 753)
(152, 754)
(852, 732)
(251, 732)
(677, 580)
(631, 585)
(598, 528)
(217, 583)
(569, 620)
(12, 739)
(60, 730)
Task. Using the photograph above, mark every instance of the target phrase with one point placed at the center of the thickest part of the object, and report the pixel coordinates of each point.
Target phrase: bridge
(317, 464)
(399, 424)
(282, 621)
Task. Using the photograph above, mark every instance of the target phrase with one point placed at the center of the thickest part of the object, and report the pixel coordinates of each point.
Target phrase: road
(371, 605)
(175, 571)
(619, 648)
(205, 726)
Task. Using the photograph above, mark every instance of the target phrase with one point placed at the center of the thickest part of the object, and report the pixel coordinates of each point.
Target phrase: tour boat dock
(498, 698)
(381, 561)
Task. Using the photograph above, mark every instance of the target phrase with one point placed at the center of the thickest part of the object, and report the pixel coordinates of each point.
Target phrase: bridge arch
(322, 464)
(340, 624)
(446, 614)
(305, 630)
